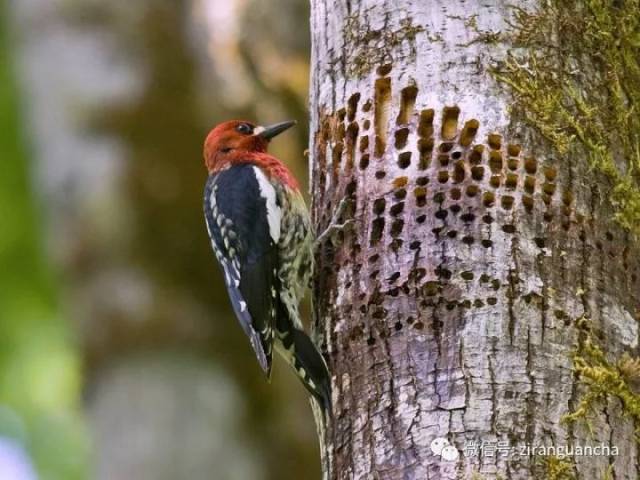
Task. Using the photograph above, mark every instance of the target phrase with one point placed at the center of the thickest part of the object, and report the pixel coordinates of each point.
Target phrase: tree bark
(483, 269)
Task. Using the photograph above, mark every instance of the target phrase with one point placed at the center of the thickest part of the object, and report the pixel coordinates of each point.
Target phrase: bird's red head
(228, 142)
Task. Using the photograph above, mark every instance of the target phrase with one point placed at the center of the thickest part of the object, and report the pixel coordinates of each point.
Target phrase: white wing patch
(274, 212)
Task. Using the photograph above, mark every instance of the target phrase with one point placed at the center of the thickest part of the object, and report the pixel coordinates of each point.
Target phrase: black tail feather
(312, 368)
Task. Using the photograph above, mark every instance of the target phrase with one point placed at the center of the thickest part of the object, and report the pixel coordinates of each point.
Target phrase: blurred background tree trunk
(118, 97)
(489, 292)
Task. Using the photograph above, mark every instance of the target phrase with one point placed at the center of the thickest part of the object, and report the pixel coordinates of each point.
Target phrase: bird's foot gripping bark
(336, 225)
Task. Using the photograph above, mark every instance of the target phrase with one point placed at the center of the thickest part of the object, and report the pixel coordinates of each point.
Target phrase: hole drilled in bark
(401, 138)
(441, 214)
(397, 209)
(495, 181)
(495, 161)
(540, 242)
(439, 197)
(443, 176)
(351, 139)
(351, 188)
(486, 243)
(396, 227)
(475, 157)
(400, 182)
(458, 172)
(531, 165)
(377, 228)
(468, 240)
(421, 196)
(364, 143)
(404, 159)
(477, 172)
(455, 193)
(549, 188)
(513, 164)
(450, 122)
(421, 218)
(509, 228)
(530, 184)
(400, 193)
(422, 181)
(384, 69)
(336, 157)
(352, 106)
(407, 104)
(379, 206)
(382, 101)
(513, 150)
(445, 147)
(488, 199)
(396, 244)
(507, 202)
(550, 173)
(425, 125)
(472, 190)
(511, 181)
(528, 203)
(495, 141)
(567, 198)
(425, 148)
(469, 132)
(364, 161)
(443, 272)
(380, 174)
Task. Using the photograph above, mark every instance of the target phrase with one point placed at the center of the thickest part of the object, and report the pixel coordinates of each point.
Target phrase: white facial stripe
(258, 130)
(274, 212)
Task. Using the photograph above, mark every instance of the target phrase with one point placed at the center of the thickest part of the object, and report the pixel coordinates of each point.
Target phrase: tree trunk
(486, 296)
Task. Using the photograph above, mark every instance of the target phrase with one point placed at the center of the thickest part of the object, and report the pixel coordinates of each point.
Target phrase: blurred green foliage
(39, 369)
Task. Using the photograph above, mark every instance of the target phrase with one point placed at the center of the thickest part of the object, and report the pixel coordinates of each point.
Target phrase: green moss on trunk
(578, 84)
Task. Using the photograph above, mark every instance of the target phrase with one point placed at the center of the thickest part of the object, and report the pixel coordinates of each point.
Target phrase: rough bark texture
(480, 264)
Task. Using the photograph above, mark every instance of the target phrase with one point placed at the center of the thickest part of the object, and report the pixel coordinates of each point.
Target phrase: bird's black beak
(271, 131)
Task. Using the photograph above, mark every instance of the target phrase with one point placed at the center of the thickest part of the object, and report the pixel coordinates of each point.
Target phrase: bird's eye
(244, 128)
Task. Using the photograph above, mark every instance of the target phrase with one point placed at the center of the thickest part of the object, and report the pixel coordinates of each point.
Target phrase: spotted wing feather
(237, 217)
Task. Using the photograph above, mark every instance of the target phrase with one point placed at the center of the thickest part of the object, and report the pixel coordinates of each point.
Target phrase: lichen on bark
(369, 47)
(603, 379)
(575, 76)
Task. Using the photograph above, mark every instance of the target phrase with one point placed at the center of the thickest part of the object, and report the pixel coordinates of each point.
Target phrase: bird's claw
(334, 225)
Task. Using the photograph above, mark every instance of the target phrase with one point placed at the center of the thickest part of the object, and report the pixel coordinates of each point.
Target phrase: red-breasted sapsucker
(261, 233)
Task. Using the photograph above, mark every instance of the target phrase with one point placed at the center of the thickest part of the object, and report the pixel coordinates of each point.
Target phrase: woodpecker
(261, 235)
